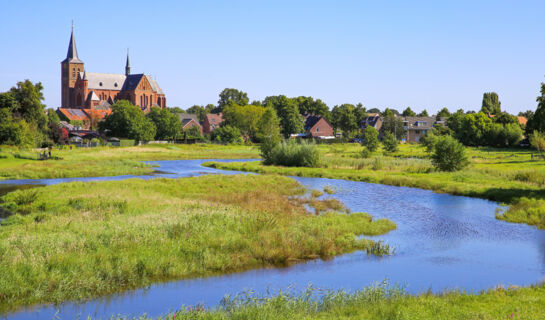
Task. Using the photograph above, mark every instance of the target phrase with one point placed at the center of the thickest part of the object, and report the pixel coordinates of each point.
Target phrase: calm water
(442, 242)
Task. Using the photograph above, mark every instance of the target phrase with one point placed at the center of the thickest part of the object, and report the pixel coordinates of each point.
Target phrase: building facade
(89, 90)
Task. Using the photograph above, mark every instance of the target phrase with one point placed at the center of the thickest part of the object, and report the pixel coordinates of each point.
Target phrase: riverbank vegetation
(79, 240)
(511, 176)
(16, 163)
(376, 303)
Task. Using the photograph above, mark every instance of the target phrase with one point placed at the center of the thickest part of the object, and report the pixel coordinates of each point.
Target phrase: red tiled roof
(214, 118)
(99, 113)
(73, 114)
(522, 120)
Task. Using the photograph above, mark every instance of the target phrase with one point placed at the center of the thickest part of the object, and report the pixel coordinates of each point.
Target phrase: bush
(449, 154)
(370, 138)
(537, 140)
(365, 153)
(293, 154)
(428, 141)
(227, 134)
(390, 142)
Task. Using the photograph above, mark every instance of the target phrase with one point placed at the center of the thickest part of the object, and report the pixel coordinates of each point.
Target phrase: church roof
(105, 81)
(154, 85)
(132, 81)
(72, 54)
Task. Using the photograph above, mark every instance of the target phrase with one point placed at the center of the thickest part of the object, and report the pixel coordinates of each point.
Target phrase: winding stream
(442, 242)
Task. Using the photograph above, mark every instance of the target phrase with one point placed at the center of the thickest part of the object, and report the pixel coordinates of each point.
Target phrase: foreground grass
(504, 175)
(108, 161)
(378, 302)
(78, 240)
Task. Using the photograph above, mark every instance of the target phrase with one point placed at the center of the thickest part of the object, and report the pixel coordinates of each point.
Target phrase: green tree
(29, 98)
(227, 134)
(449, 154)
(176, 110)
(505, 118)
(537, 140)
(230, 95)
(393, 125)
(52, 117)
(443, 113)
(128, 121)
(408, 112)
(537, 122)
(424, 113)
(491, 103)
(361, 113)
(307, 105)
(374, 110)
(370, 138)
(268, 134)
(167, 124)
(287, 110)
(245, 118)
(8, 101)
(15, 131)
(429, 141)
(390, 142)
(192, 132)
(528, 114)
(344, 118)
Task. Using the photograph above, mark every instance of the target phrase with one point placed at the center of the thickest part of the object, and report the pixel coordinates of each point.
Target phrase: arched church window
(73, 72)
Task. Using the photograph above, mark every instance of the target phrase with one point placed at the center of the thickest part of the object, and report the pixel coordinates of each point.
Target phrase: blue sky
(423, 54)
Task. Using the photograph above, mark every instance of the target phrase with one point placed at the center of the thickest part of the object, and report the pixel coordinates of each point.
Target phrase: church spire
(72, 55)
(127, 65)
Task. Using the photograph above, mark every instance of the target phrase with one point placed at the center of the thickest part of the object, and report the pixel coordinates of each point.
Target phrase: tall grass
(295, 154)
(377, 302)
(81, 240)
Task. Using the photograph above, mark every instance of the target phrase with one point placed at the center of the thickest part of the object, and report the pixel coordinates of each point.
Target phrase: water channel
(442, 242)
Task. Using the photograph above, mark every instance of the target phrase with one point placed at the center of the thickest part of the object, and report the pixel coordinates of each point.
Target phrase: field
(377, 303)
(108, 161)
(509, 176)
(78, 240)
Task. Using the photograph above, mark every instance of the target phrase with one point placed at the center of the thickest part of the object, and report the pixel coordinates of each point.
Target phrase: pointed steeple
(127, 65)
(72, 54)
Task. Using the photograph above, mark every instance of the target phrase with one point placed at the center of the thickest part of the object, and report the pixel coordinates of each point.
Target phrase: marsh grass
(78, 240)
(503, 175)
(109, 161)
(377, 302)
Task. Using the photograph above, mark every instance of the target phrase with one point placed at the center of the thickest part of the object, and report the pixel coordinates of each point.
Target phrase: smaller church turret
(127, 65)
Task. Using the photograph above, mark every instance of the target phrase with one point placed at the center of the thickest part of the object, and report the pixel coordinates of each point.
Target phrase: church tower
(70, 67)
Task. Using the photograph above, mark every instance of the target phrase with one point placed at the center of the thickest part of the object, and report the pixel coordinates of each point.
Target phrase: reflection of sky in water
(442, 242)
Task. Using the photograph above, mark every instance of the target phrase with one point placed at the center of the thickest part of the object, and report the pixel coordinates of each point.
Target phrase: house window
(317, 129)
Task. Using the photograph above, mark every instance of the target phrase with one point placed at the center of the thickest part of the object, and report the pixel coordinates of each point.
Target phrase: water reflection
(442, 241)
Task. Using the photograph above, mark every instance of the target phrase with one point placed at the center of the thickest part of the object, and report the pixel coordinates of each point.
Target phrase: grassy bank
(379, 302)
(108, 161)
(78, 240)
(504, 175)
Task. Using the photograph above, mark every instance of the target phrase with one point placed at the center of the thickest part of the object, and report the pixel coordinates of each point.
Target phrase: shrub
(537, 140)
(428, 141)
(370, 138)
(365, 153)
(449, 154)
(227, 134)
(293, 154)
(390, 142)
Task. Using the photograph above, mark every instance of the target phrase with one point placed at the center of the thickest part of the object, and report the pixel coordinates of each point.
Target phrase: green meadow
(108, 161)
(76, 241)
(509, 176)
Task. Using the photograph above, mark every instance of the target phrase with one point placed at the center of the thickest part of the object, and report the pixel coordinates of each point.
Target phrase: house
(189, 120)
(211, 122)
(318, 127)
(373, 120)
(522, 121)
(417, 127)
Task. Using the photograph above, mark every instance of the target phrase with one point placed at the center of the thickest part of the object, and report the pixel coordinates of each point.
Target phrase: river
(442, 242)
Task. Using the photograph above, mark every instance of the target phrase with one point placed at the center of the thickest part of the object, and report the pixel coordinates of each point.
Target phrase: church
(90, 91)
